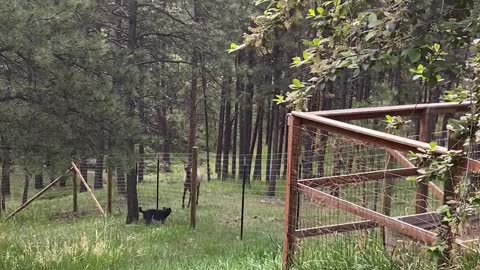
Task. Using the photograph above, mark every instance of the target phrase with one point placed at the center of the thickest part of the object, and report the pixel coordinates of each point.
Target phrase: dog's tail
(140, 209)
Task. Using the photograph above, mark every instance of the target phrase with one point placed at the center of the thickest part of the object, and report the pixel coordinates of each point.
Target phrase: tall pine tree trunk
(141, 163)
(268, 139)
(38, 182)
(274, 153)
(205, 106)
(6, 167)
(249, 92)
(132, 199)
(257, 170)
(273, 146)
(237, 114)
(281, 139)
(84, 173)
(167, 140)
(227, 136)
(98, 178)
(26, 185)
(221, 131)
(121, 182)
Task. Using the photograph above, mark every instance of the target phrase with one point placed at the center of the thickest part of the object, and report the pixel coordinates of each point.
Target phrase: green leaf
(279, 99)
(413, 54)
(320, 10)
(432, 145)
(297, 61)
(412, 178)
(297, 83)
(234, 47)
(311, 13)
(436, 47)
(372, 20)
(370, 35)
(306, 55)
(389, 118)
(316, 41)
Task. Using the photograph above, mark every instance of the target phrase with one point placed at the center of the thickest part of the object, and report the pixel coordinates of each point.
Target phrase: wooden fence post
(449, 194)
(1, 199)
(425, 135)
(74, 191)
(109, 189)
(291, 195)
(193, 189)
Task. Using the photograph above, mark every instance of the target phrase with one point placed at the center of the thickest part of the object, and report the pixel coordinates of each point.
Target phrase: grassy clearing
(48, 236)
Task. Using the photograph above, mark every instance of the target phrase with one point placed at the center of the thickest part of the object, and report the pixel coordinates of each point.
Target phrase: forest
(109, 84)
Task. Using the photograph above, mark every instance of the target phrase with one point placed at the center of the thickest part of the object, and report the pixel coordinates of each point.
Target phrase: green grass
(48, 236)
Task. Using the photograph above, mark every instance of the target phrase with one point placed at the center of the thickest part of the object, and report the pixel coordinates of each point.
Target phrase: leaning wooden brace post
(291, 195)
(23, 206)
(77, 171)
(446, 234)
(74, 192)
(193, 189)
(425, 135)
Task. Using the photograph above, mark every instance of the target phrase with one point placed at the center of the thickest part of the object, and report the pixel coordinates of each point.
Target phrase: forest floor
(48, 236)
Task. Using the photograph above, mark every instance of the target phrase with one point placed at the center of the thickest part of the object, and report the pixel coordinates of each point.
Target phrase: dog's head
(167, 210)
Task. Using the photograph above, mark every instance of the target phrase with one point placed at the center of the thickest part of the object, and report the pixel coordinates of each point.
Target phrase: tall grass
(48, 236)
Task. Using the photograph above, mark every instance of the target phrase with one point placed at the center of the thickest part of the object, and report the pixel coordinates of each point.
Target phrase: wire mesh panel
(353, 186)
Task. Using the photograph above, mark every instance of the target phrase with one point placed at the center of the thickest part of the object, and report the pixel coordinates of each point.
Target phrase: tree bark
(274, 170)
(6, 167)
(205, 106)
(257, 170)
(273, 146)
(167, 140)
(268, 141)
(192, 135)
(281, 139)
(63, 181)
(227, 136)
(38, 183)
(84, 172)
(132, 199)
(141, 163)
(98, 178)
(248, 115)
(221, 131)
(25, 188)
(121, 183)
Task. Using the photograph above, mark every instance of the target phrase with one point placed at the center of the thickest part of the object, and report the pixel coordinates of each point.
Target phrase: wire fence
(160, 183)
(342, 181)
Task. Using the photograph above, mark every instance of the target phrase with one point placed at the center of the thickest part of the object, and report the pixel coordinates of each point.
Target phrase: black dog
(154, 214)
